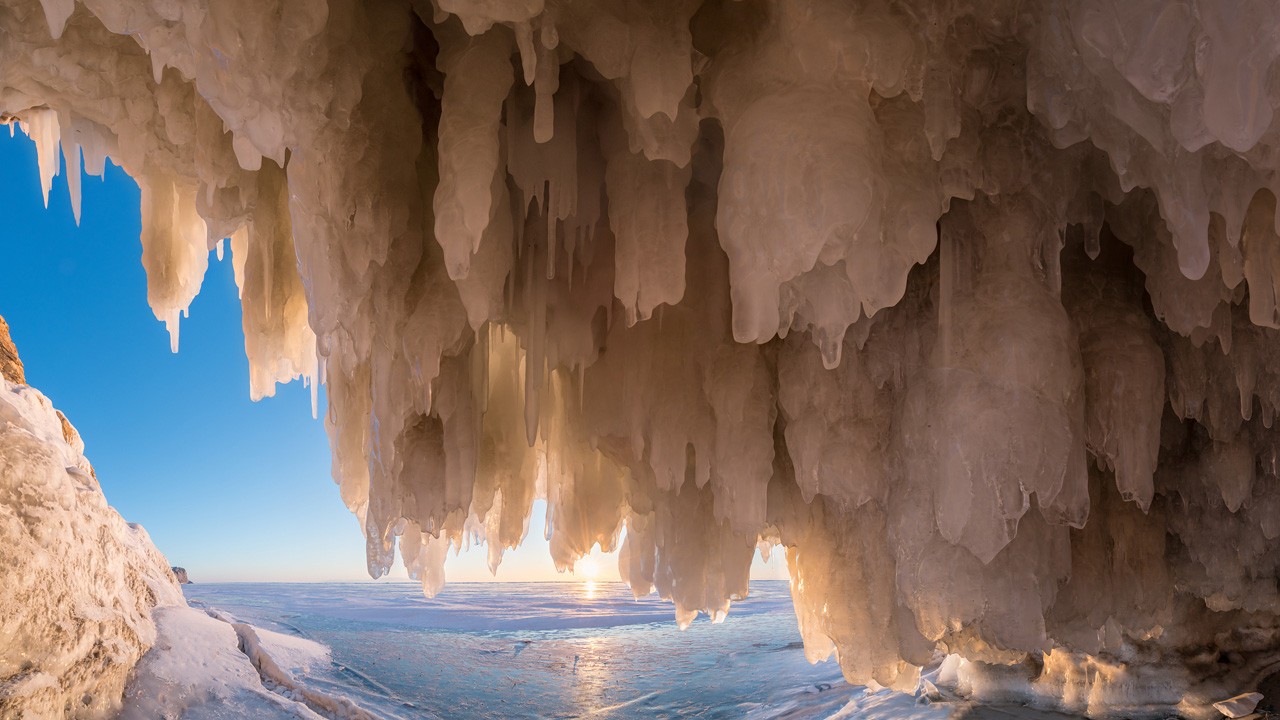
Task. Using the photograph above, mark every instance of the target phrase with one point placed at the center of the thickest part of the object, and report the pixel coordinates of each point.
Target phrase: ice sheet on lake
(535, 650)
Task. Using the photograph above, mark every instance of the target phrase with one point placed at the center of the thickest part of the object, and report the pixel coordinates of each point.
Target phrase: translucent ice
(973, 309)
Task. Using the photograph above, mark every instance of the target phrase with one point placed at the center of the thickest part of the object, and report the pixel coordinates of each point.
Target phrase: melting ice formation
(972, 306)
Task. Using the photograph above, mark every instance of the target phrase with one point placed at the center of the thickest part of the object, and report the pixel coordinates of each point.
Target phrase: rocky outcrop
(77, 582)
(10, 365)
(180, 574)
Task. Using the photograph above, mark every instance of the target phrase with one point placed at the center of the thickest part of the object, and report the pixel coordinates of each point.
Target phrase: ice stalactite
(478, 77)
(278, 340)
(974, 309)
(1124, 381)
(175, 250)
(42, 127)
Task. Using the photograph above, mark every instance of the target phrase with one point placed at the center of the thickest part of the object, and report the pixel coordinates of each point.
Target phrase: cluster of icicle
(971, 306)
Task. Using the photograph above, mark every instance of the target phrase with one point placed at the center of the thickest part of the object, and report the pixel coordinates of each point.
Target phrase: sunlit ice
(970, 310)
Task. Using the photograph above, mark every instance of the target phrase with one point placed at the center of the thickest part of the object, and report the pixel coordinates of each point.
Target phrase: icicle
(173, 324)
(528, 51)
(42, 126)
(239, 255)
(157, 68)
(477, 79)
(93, 150)
(545, 83)
(552, 245)
(56, 13)
(71, 154)
(175, 249)
(535, 355)
(313, 379)
(1092, 245)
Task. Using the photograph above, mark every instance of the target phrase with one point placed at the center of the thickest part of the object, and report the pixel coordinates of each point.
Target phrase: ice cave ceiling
(970, 305)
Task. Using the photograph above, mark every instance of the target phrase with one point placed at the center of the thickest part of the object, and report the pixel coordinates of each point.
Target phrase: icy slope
(973, 307)
(206, 666)
(77, 583)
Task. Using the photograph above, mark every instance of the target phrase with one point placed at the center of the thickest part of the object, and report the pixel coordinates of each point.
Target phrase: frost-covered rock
(973, 307)
(10, 364)
(77, 583)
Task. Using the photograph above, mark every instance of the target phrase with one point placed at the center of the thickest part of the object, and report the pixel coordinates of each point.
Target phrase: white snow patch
(196, 671)
(206, 666)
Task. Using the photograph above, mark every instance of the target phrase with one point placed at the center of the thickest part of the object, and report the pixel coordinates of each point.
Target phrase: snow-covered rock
(77, 582)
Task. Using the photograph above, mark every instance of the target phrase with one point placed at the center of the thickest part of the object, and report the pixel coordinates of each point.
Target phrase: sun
(587, 568)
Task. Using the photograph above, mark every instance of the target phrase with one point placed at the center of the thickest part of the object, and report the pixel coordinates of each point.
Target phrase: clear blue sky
(228, 488)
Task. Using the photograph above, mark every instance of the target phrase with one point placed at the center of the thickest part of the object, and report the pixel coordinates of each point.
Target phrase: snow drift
(971, 307)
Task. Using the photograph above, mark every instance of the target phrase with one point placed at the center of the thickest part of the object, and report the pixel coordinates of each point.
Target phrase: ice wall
(972, 306)
(77, 583)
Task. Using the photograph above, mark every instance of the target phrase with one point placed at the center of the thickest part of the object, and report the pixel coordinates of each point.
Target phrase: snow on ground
(196, 671)
(205, 665)
(292, 654)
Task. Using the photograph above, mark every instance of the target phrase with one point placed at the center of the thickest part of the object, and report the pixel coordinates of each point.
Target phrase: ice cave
(970, 308)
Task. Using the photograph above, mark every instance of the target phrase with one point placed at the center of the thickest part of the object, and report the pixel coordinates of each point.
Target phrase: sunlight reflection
(592, 675)
(589, 590)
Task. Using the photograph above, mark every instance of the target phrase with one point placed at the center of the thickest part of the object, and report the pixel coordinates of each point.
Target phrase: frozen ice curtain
(971, 306)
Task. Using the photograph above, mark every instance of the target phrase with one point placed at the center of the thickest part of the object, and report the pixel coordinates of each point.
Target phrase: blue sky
(228, 488)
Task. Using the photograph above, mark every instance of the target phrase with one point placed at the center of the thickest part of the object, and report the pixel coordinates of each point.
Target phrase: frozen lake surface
(550, 650)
